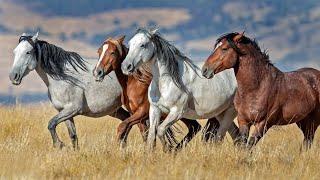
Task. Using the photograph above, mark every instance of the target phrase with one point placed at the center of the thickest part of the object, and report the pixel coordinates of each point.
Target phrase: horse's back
(310, 76)
(300, 93)
(101, 98)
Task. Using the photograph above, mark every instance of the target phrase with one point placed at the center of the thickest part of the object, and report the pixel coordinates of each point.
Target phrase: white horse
(177, 89)
(71, 87)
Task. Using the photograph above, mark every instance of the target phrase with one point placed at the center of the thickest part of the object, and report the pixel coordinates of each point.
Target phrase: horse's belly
(64, 95)
(102, 104)
(102, 98)
(205, 112)
(296, 111)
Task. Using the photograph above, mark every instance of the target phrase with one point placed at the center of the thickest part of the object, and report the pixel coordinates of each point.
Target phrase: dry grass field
(26, 152)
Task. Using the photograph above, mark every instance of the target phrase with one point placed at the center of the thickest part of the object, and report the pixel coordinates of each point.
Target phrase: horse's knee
(74, 137)
(161, 131)
(52, 125)
(122, 127)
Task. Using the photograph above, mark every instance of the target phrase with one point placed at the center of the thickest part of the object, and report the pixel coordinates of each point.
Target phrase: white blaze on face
(218, 45)
(104, 49)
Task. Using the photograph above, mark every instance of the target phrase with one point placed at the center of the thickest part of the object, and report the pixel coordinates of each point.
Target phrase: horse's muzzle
(207, 72)
(127, 68)
(15, 78)
(99, 74)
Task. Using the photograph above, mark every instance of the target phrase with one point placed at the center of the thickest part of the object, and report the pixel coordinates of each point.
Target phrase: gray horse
(71, 87)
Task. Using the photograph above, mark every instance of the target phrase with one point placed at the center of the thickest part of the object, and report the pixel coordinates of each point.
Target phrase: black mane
(245, 40)
(54, 60)
(168, 56)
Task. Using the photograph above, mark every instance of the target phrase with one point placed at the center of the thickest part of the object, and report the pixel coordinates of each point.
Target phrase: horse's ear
(238, 37)
(108, 39)
(154, 31)
(24, 34)
(35, 37)
(121, 39)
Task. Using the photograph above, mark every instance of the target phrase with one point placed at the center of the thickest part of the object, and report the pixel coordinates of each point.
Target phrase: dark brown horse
(266, 96)
(135, 97)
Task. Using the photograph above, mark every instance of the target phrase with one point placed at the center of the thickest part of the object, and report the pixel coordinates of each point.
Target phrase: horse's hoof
(122, 144)
(76, 148)
(240, 144)
(168, 148)
(58, 145)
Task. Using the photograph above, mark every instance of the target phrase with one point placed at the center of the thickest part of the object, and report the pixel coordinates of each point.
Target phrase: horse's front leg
(63, 115)
(124, 128)
(193, 128)
(172, 118)
(154, 117)
(260, 129)
(244, 128)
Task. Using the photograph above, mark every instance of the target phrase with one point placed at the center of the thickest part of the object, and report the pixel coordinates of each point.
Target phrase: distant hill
(289, 29)
(284, 27)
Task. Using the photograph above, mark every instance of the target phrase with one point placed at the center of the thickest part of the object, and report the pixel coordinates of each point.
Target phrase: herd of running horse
(152, 84)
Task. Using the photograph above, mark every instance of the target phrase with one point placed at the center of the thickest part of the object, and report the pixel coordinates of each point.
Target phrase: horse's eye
(143, 45)
(224, 49)
(113, 53)
(29, 52)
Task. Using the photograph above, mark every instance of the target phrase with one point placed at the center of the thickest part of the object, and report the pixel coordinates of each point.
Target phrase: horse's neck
(43, 75)
(252, 73)
(122, 78)
(158, 69)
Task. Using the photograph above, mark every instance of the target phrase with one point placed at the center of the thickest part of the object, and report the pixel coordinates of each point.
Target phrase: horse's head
(25, 58)
(141, 50)
(111, 54)
(225, 55)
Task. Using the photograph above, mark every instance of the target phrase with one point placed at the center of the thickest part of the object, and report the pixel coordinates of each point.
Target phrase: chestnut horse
(135, 97)
(266, 96)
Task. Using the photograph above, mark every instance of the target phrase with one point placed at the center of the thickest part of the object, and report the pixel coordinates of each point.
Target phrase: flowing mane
(169, 56)
(55, 59)
(245, 40)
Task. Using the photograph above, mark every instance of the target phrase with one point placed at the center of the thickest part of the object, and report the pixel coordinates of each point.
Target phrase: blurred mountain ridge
(288, 29)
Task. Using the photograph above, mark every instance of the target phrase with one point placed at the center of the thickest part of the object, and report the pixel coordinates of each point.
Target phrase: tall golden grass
(26, 152)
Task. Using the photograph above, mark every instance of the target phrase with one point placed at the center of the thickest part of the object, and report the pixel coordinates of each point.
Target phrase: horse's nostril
(129, 68)
(204, 70)
(16, 77)
(100, 72)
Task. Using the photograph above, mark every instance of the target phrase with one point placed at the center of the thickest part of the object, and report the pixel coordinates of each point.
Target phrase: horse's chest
(251, 107)
(166, 95)
(59, 97)
(136, 93)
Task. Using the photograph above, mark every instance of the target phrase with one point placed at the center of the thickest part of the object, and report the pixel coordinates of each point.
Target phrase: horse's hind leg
(210, 130)
(234, 132)
(226, 123)
(72, 133)
(193, 128)
(63, 115)
(121, 114)
(171, 118)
